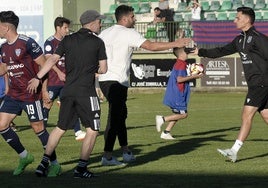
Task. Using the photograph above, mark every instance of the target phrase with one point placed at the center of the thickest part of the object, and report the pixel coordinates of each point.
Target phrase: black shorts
(257, 97)
(175, 111)
(85, 108)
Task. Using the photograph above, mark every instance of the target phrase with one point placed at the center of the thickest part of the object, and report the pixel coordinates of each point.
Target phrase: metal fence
(160, 32)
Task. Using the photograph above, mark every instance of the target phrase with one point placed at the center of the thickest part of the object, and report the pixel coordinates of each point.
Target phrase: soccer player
(252, 48)
(56, 76)
(120, 41)
(21, 57)
(84, 57)
(177, 93)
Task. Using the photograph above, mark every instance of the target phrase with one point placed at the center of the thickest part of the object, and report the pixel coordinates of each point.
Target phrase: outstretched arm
(159, 46)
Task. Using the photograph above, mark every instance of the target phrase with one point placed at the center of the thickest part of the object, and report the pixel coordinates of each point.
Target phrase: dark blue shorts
(33, 109)
(54, 92)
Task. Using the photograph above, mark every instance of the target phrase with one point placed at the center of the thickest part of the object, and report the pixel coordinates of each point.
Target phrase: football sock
(12, 139)
(45, 114)
(43, 136)
(23, 154)
(237, 145)
(166, 132)
(82, 165)
(77, 126)
(45, 160)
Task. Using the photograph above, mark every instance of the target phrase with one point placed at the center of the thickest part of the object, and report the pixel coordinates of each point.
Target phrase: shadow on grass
(143, 180)
(116, 177)
(21, 128)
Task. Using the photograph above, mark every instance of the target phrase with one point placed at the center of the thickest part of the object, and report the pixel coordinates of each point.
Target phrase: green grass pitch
(189, 161)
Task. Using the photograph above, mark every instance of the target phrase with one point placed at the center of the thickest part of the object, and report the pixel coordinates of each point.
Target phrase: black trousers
(116, 95)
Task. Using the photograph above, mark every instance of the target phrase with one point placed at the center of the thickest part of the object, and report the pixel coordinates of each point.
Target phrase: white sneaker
(229, 153)
(80, 135)
(111, 162)
(159, 122)
(128, 157)
(167, 136)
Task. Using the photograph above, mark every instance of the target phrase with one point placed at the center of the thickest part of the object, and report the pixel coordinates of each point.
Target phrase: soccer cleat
(128, 157)
(80, 135)
(112, 162)
(167, 136)
(41, 170)
(54, 170)
(85, 174)
(229, 153)
(23, 163)
(159, 121)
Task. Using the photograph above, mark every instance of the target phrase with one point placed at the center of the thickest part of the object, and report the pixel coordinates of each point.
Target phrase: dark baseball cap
(90, 16)
(9, 17)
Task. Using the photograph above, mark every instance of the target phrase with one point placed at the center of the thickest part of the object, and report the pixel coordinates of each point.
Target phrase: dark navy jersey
(19, 58)
(50, 47)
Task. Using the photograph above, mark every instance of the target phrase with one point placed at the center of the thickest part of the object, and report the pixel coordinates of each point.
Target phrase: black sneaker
(85, 174)
(41, 170)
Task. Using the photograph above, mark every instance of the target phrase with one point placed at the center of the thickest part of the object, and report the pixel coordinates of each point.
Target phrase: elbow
(148, 45)
(102, 70)
(151, 47)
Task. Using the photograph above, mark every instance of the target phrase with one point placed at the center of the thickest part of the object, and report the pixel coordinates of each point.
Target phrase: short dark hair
(247, 11)
(157, 8)
(9, 17)
(59, 21)
(122, 10)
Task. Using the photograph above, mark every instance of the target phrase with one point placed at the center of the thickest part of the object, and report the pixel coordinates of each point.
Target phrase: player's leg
(172, 120)
(54, 92)
(35, 116)
(264, 114)
(118, 117)
(67, 117)
(54, 169)
(89, 141)
(110, 93)
(46, 109)
(43, 135)
(256, 98)
(247, 117)
(9, 110)
(13, 140)
(88, 110)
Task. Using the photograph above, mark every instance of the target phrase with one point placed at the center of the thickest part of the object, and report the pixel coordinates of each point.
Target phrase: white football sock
(237, 145)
